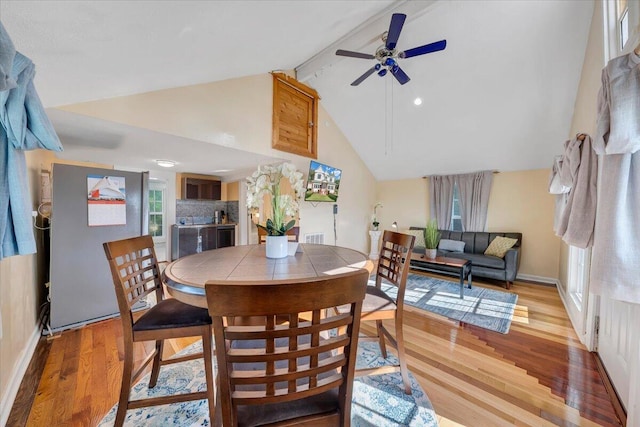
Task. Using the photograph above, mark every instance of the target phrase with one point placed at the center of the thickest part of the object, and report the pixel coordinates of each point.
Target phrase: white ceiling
(501, 95)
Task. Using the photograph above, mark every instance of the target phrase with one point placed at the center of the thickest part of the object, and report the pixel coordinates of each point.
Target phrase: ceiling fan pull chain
(392, 109)
(388, 108)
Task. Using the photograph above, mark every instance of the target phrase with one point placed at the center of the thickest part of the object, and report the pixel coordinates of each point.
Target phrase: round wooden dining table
(185, 277)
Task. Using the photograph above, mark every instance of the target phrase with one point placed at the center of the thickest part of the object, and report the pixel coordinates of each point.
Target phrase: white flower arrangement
(266, 180)
(374, 218)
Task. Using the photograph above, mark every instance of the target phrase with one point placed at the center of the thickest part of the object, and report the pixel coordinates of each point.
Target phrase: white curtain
(441, 199)
(474, 190)
(615, 261)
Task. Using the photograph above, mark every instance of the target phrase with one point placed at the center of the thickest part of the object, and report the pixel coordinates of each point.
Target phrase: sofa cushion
(419, 234)
(499, 246)
(451, 245)
(478, 260)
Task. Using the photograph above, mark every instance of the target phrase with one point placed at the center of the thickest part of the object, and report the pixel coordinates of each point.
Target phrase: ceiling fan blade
(400, 75)
(421, 50)
(352, 54)
(397, 21)
(367, 73)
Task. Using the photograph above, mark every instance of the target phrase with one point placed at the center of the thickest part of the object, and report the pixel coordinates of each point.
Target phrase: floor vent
(314, 238)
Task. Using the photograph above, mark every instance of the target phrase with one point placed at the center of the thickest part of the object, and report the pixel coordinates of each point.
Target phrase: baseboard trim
(540, 279)
(16, 376)
(50, 331)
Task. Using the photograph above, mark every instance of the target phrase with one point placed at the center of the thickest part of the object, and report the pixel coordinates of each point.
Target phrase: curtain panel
(474, 190)
(441, 199)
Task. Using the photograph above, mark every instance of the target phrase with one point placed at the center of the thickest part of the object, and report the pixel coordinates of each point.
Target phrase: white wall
(237, 113)
(519, 202)
(21, 293)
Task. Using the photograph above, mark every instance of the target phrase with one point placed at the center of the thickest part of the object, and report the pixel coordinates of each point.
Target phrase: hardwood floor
(536, 375)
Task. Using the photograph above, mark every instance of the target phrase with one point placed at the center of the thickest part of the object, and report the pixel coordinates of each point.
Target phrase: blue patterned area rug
(378, 400)
(486, 308)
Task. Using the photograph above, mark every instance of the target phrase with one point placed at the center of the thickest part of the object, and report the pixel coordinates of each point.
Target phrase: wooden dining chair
(393, 268)
(136, 274)
(293, 234)
(294, 367)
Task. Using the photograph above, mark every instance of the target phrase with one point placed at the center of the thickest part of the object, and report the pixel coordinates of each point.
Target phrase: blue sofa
(482, 265)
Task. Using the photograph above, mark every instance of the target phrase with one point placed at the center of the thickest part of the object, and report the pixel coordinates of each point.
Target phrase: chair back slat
(300, 349)
(138, 275)
(256, 377)
(393, 264)
(135, 271)
(284, 351)
(253, 397)
(284, 330)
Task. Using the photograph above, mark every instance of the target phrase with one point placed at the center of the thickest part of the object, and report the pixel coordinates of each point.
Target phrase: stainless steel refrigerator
(81, 285)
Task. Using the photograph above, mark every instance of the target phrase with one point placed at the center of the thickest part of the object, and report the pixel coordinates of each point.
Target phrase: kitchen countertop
(229, 224)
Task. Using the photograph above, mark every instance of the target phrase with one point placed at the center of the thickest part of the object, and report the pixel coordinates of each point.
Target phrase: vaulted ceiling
(500, 96)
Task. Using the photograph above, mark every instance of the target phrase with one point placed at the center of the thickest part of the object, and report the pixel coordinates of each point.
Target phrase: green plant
(431, 235)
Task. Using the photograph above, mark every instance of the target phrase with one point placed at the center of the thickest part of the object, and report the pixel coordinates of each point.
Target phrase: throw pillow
(499, 246)
(419, 237)
(451, 245)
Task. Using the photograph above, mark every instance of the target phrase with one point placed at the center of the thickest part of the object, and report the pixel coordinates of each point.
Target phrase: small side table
(375, 238)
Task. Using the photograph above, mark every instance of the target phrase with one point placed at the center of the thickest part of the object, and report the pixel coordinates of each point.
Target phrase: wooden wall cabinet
(201, 189)
(295, 117)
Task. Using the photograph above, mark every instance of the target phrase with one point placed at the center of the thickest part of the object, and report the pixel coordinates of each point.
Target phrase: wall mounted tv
(322, 183)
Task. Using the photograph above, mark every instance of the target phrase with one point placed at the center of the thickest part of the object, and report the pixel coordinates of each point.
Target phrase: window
(456, 219)
(622, 10)
(622, 33)
(157, 210)
(578, 274)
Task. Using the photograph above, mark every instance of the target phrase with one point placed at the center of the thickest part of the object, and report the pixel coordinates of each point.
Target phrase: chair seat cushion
(171, 313)
(374, 300)
(258, 415)
(479, 260)
(377, 300)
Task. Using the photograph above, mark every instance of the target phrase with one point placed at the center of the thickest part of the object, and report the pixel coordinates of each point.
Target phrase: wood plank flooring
(536, 375)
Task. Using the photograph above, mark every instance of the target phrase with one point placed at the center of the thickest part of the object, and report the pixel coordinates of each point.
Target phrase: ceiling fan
(387, 55)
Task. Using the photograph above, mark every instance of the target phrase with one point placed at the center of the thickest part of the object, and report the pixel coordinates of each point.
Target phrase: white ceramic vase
(276, 246)
(430, 253)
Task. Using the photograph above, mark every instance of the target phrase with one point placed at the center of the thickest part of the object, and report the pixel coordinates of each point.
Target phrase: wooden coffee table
(443, 265)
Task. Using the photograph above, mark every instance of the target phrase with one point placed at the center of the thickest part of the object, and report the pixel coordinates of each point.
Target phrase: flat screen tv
(322, 183)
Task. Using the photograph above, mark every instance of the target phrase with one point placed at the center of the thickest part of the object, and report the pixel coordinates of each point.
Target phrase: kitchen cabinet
(201, 189)
(192, 239)
(185, 241)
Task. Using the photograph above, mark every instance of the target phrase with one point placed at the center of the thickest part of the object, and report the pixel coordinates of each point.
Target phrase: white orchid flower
(266, 180)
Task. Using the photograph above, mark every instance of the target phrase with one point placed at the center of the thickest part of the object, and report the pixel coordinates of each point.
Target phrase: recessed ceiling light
(166, 163)
(417, 101)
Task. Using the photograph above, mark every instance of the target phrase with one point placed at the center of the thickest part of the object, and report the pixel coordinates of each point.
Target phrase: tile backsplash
(203, 211)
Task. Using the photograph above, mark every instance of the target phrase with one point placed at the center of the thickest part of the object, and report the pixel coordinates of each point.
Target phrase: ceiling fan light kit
(387, 55)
